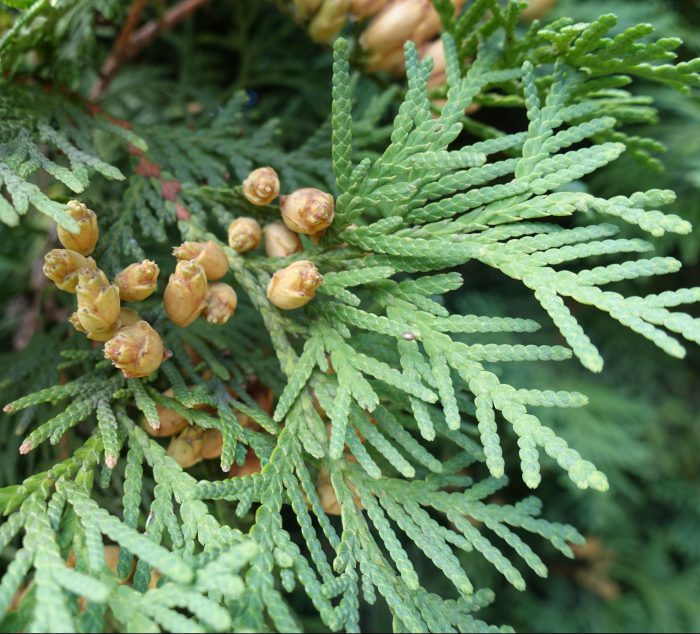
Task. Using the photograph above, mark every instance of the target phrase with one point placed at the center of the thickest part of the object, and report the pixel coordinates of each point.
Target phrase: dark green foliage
(413, 411)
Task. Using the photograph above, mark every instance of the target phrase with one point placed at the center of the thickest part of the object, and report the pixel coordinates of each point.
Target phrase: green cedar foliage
(404, 405)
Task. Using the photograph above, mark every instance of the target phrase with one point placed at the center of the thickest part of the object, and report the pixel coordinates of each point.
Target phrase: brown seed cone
(98, 301)
(308, 210)
(435, 50)
(136, 350)
(212, 445)
(186, 292)
(306, 8)
(326, 493)
(85, 240)
(329, 20)
(392, 61)
(209, 254)
(221, 303)
(537, 9)
(244, 234)
(62, 266)
(249, 467)
(186, 448)
(137, 281)
(171, 422)
(280, 241)
(395, 24)
(261, 186)
(365, 8)
(295, 285)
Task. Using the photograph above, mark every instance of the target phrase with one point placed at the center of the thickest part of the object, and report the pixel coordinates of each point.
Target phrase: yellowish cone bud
(262, 186)
(62, 266)
(330, 19)
(308, 210)
(137, 281)
(186, 292)
(171, 422)
(136, 350)
(280, 241)
(327, 496)
(307, 8)
(249, 467)
(392, 61)
(128, 317)
(537, 9)
(294, 286)
(186, 448)
(435, 50)
(365, 8)
(85, 240)
(430, 26)
(213, 443)
(98, 301)
(209, 254)
(395, 24)
(221, 303)
(244, 234)
(75, 322)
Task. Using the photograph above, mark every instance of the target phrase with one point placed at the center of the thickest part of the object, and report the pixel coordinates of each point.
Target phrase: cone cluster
(389, 24)
(131, 344)
(308, 211)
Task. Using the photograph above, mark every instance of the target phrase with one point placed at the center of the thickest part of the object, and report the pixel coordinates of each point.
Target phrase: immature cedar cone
(294, 285)
(185, 294)
(308, 210)
(171, 422)
(186, 448)
(262, 186)
(98, 301)
(329, 20)
(280, 241)
(221, 303)
(62, 266)
(213, 443)
(209, 254)
(136, 350)
(137, 281)
(392, 61)
(365, 8)
(244, 234)
(537, 9)
(306, 8)
(435, 50)
(250, 466)
(327, 496)
(395, 24)
(127, 317)
(85, 240)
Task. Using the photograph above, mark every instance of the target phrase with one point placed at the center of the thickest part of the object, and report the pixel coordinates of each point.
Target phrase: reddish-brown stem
(132, 41)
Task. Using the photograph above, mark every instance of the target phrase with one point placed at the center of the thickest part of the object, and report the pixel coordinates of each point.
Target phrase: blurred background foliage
(640, 570)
